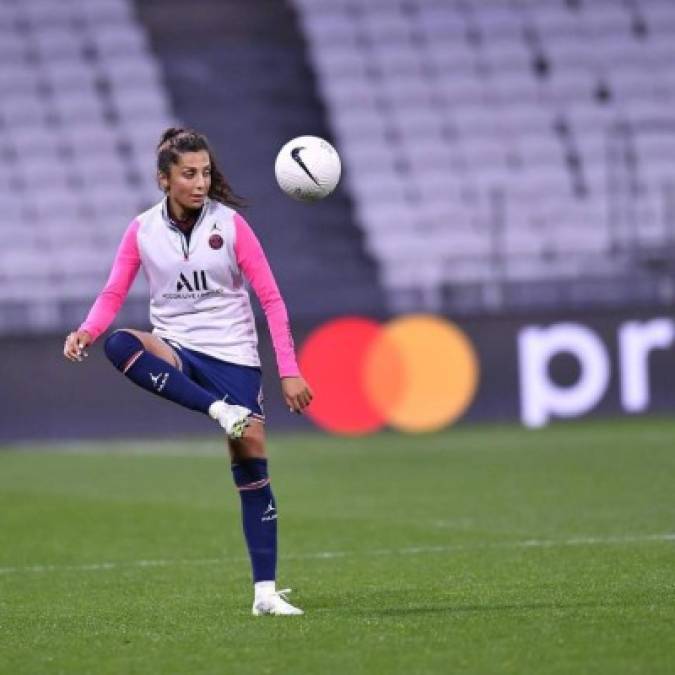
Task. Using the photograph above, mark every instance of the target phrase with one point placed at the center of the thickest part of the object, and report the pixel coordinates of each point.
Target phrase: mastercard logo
(416, 373)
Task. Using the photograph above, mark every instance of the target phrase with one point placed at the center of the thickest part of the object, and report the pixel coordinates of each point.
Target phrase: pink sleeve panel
(110, 299)
(253, 263)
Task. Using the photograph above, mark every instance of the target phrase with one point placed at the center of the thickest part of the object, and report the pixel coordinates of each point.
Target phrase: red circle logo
(216, 241)
(415, 373)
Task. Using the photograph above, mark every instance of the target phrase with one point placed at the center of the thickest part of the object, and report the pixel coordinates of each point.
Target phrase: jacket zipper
(183, 243)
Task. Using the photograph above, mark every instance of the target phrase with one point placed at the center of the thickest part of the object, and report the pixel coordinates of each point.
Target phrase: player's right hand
(76, 344)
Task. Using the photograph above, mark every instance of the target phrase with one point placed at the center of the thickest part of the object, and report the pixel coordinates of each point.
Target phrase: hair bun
(168, 134)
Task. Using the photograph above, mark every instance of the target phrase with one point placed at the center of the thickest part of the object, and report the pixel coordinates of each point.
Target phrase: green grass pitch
(478, 550)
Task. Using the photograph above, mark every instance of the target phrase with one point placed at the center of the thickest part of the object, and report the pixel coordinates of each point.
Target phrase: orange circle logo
(416, 373)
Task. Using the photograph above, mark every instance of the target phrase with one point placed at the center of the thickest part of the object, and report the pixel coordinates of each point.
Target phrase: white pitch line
(330, 555)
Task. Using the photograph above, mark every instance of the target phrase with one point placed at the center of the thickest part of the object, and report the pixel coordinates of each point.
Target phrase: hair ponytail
(177, 140)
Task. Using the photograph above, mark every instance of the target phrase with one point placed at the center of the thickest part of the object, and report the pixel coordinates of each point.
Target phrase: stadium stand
(77, 80)
(87, 87)
(239, 71)
(497, 155)
(505, 154)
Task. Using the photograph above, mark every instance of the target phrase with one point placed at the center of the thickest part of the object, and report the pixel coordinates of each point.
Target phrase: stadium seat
(71, 154)
(486, 125)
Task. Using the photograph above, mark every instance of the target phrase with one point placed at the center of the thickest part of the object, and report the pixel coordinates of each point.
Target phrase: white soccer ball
(308, 168)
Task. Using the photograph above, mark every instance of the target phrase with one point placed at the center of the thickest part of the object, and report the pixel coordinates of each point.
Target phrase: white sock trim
(215, 408)
(264, 588)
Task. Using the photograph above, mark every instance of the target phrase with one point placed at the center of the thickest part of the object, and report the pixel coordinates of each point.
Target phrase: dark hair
(175, 141)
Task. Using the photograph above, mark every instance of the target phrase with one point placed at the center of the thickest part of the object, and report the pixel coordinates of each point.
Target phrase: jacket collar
(171, 223)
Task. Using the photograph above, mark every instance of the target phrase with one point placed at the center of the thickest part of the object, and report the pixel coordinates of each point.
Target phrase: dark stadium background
(505, 165)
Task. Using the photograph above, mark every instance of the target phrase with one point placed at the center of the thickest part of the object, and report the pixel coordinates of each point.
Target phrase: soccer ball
(308, 168)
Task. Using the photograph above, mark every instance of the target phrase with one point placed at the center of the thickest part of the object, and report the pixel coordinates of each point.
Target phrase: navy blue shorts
(232, 382)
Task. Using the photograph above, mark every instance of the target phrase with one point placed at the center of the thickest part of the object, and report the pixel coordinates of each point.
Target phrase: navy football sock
(258, 515)
(127, 354)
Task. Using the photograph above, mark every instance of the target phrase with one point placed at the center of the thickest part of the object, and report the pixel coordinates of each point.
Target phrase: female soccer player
(196, 252)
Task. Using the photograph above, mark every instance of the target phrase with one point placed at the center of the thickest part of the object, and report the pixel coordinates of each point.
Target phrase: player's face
(189, 180)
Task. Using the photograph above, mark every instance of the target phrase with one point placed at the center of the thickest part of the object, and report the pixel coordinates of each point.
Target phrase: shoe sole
(239, 427)
(257, 612)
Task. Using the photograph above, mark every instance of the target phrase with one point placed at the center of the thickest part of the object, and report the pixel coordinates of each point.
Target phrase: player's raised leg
(259, 519)
(154, 365)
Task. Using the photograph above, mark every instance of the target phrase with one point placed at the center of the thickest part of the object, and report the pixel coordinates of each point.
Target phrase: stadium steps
(238, 71)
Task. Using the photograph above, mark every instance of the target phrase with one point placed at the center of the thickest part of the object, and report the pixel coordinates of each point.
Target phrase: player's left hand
(297, 393)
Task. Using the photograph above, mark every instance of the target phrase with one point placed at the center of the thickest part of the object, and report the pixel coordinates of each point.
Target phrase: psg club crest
(215, 241)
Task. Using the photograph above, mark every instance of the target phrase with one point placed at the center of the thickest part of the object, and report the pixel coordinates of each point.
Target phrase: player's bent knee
(252, 445)
(121, 348)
